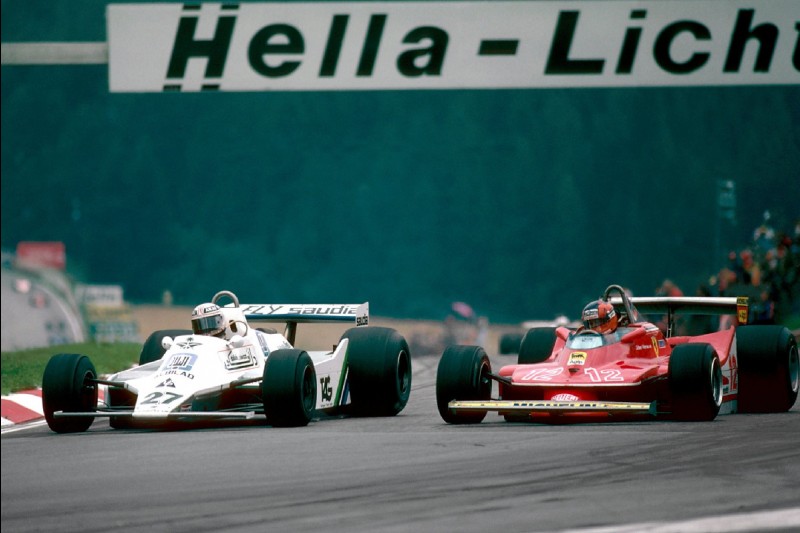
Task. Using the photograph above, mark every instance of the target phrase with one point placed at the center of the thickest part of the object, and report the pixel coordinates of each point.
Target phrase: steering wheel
(589, 332)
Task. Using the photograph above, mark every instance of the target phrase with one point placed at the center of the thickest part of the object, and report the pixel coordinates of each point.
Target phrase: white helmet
(207, 320)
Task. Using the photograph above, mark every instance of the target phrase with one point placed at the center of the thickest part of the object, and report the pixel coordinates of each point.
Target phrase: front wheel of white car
(379, 365)
(536, 346)
(289, 388)
(69, 385)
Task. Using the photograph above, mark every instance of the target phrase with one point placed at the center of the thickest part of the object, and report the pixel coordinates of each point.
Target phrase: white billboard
(451, 45)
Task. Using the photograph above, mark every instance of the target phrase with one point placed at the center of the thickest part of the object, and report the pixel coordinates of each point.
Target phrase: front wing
(553, 407)
(202, 415)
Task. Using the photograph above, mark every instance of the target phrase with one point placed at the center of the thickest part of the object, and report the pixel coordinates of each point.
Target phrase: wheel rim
(403, 372)
(88, 390)
(309, 390)
(716, 382)
(794, 369)
(484, 382)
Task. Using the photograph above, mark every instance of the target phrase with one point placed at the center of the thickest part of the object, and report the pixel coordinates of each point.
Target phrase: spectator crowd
(766, 270)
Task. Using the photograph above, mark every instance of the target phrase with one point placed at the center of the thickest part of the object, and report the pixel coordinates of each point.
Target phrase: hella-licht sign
(451, 45)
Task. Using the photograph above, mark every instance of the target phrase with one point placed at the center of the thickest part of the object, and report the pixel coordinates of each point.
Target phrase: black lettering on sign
(559, 62)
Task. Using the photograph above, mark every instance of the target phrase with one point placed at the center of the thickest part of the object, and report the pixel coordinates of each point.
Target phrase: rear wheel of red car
(462, 375)
(289, 388)
(695, 382)
(537, 345)
(379, 369)
(769, 370)
(69, 385)
(152, 349)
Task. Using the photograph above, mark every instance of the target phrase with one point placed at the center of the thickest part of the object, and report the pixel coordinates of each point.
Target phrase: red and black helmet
(599, 316)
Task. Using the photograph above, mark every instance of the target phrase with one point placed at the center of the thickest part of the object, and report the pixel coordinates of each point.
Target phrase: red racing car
(637, 371)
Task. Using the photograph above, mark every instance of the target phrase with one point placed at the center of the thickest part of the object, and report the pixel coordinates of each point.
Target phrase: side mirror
(167, 342)
(237, 341)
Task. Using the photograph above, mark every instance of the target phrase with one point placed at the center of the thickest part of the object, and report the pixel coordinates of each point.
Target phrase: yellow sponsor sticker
(741, 309)
(577, 358)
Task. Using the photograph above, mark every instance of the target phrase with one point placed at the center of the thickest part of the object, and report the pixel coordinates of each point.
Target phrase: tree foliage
(524, 203)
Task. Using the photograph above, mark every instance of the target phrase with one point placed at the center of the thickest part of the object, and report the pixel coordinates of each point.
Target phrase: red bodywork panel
(631, 365)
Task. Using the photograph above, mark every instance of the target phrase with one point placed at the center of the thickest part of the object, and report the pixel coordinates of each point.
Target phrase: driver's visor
(595, 322)
(207, 325)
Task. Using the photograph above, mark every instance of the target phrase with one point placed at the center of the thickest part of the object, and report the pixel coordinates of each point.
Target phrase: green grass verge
(23, 370)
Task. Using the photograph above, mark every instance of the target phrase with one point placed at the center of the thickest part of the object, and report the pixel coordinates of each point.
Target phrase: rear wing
(293, 314)
(691, 305)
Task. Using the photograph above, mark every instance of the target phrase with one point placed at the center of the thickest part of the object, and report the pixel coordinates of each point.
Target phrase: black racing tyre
(695, 382)
(152, 349)
(289, 388)
(769, 371)
(379, 370)
(462, 375)
(537, 346)
(69, 385)
(509, 343)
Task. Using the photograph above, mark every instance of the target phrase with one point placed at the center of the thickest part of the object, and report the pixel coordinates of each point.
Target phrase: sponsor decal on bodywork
(324, 310)
(180, 361)
(166, 383)
(262, 340)
(564, 397)
(180, 364)
(742, 301)
(577, 358)
(239, 358)
(188, 344)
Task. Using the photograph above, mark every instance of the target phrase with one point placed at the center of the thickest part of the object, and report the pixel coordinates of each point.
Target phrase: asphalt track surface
(412, 472)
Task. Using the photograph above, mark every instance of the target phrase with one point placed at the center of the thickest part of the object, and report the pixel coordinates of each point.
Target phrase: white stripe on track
(781, 519)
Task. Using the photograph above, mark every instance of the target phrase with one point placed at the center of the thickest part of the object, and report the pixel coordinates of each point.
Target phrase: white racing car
(187, 376)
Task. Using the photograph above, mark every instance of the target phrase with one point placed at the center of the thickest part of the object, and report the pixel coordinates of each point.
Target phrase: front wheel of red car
(695, 382)
(462, 375)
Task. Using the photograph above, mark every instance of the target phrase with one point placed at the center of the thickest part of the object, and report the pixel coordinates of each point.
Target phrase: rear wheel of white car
(463, 374)
(695, 382)
(289, 388)
(379, 370)
(769, 370)
(152, 349)
(69, 385)
(537, 345)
